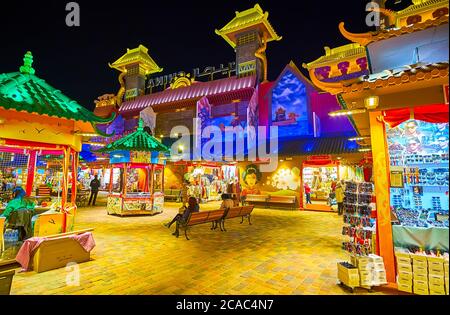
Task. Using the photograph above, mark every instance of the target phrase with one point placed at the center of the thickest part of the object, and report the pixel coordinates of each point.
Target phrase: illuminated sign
(319, 158)
(140, 157)
(246, 67)
(208, 72)
(131, 93)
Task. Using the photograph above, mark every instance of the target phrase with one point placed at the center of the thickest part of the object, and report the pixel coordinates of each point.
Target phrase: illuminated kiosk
(41, 134)
(137, 174)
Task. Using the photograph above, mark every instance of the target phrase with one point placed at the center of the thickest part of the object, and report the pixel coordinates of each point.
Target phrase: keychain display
(357, 211)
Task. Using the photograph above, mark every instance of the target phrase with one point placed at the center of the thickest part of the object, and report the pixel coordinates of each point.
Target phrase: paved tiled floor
(283, 252)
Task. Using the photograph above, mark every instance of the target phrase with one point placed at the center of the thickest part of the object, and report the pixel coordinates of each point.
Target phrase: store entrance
(319, 183)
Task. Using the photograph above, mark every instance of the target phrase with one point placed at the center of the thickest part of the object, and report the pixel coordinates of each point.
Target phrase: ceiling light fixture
(347, 112)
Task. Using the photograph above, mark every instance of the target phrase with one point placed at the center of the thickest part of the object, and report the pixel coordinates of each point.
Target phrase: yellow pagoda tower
(134, 66)
(248, 33)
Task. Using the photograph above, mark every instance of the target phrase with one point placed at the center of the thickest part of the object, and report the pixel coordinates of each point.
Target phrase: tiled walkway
(283, 252)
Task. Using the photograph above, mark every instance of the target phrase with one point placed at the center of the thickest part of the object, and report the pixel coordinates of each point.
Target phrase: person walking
(308, 193)
(95, 185)
(340, 197)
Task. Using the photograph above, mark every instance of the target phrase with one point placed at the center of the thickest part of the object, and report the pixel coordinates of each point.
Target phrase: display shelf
(425, 165)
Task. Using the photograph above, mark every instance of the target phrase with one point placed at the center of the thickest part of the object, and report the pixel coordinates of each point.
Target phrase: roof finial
(140, 125)
(27, 62)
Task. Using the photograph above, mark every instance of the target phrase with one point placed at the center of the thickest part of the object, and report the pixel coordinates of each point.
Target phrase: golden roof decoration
(139, 56)
(181, 80)
(245, 20)
(421, 6)
(366, 38)
(337, 54)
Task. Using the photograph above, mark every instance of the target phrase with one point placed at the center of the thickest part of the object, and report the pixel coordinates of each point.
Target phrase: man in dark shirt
(95, 184)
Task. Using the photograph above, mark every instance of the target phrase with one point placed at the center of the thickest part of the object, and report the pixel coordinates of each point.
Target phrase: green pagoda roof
(139, 140)
(23, 91)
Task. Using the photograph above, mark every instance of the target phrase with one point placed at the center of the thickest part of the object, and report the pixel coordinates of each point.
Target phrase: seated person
(16, 217)
(227, 202)
(192, 207)
(18, 202)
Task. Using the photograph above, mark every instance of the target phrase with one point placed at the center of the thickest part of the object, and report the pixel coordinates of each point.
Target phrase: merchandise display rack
(365, 269)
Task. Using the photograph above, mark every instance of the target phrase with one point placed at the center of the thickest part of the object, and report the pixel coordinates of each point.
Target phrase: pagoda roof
(253, 17)
(366, 38)
(421, 72)
(419, 6)
(337, 54)
(387, 78)
(140, 140)
(137, 55)
(24, 92)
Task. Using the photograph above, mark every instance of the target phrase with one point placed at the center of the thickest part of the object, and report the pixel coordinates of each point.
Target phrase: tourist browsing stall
(136, 175)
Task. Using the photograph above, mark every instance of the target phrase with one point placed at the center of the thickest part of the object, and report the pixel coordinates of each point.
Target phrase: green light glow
(27, 62)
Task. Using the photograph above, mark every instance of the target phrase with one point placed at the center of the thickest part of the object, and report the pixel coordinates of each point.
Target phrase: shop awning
(431, 113)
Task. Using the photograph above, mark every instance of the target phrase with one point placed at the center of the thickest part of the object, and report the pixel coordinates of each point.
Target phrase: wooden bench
(287, 200)
(236, 212)
(197, 218)
(256, 199)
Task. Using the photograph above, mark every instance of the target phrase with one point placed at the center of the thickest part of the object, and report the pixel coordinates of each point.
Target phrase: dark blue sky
(179, 34)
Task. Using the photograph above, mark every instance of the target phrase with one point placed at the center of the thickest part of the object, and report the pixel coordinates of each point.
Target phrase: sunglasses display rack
(359, 232)
(423, 201)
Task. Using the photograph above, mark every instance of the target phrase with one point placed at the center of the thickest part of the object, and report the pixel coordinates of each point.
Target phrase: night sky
(179, 34)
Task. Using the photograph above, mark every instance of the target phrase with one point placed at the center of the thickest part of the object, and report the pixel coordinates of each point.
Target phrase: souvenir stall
(419, 157)
(41, 132)
(207, 181)
(137, 174)
(320, 174)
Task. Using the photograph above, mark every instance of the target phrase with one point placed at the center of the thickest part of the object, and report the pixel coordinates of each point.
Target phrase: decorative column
(152, 175)
(74, 176)
(65, 184)
(382, 184)
(31, 171)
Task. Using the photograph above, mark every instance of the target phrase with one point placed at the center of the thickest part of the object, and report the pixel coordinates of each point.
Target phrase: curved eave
(323, 61)
(366, 38)
(150, 68)
(363, 39)
(332, 88)
(419, 77)
(226, 34)
(93, 119)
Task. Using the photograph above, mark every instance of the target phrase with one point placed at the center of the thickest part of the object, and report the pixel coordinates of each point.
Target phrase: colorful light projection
(290, 109)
